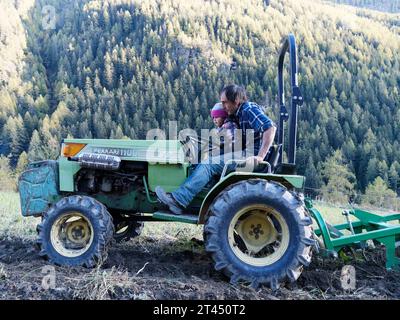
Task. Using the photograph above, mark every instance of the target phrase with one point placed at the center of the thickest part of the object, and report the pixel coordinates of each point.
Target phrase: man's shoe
(168, 200)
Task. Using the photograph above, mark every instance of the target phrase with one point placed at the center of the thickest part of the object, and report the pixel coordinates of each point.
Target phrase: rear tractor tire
(258, 232)
(75, 231)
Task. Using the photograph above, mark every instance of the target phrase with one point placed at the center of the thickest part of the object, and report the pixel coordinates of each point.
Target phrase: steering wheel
(193, 146)
(190, 148)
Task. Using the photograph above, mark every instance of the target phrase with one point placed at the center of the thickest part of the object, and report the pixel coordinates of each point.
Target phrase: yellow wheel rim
(71, 234)
(258, 235)
(78, 231)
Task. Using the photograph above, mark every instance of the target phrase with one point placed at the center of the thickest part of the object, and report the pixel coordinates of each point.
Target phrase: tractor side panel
(38, 187)
(168, 176)
(134, 201)
(67, 171)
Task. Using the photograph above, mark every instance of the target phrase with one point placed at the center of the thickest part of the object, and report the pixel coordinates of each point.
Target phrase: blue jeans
(203, 174)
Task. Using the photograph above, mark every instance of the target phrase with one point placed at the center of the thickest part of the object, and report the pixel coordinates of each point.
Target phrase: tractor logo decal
(122, 152)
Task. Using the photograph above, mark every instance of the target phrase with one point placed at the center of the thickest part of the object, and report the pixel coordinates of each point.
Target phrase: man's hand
(267, 140)
(253, 162)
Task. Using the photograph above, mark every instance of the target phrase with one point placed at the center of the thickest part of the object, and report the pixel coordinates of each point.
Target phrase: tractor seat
(272, 158)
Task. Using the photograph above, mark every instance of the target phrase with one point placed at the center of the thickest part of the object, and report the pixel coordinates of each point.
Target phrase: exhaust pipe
(97, 161)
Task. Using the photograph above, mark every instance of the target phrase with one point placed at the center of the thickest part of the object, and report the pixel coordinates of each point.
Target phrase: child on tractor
(225, 126)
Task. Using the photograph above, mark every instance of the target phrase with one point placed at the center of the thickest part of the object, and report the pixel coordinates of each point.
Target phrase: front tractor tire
(258, 232)
(75, 231)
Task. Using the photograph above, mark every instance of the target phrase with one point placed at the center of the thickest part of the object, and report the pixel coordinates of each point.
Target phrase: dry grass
(100, 284)
(178, 234)
(333, 214)
(12, 223)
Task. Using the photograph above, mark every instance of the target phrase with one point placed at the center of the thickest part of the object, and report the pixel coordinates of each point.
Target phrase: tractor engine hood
(152, 151)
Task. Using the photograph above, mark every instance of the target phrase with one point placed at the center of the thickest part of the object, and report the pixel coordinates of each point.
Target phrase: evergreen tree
(22, 163)
(313, 179)
(35, 151)
(339, 180)
(394, 179)
(7, 183)
(108, 71)
(379, 195)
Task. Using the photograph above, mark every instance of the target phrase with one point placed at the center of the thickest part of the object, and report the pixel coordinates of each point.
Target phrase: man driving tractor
(250, 117)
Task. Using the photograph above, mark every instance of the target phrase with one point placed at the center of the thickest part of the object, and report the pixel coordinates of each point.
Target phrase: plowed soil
(149, 268)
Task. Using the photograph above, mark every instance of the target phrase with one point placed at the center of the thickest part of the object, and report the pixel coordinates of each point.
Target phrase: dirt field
(168, 262)
(151, 269)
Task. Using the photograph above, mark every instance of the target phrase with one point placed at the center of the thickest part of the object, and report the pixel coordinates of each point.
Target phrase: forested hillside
(113, 69)
(381, 5)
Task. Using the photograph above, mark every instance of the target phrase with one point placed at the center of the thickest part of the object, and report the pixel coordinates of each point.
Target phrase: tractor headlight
(71, 149)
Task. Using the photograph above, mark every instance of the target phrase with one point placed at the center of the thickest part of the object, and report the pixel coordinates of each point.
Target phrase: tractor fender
(289, 181)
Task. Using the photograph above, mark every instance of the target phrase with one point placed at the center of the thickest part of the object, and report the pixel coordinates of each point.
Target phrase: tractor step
(168, 216)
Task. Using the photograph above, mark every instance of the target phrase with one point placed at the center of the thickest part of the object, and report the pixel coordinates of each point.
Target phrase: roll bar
(289, 45)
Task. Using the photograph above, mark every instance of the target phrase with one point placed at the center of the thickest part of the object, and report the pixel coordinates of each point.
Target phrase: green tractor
(256, 225)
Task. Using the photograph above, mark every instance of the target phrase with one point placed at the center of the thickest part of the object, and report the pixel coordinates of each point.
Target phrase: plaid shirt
(251, 117)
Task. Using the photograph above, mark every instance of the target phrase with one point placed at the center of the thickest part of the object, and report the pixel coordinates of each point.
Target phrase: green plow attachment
(368, 226)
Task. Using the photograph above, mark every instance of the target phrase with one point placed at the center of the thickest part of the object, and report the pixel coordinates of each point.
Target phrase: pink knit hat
(218, 111)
